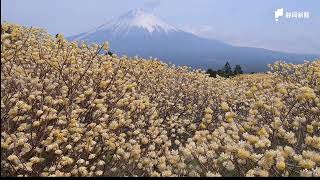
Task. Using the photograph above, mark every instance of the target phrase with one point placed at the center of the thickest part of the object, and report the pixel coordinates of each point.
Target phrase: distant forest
(226, 71)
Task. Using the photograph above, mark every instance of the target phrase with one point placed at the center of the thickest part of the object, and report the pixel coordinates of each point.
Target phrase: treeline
(226, 71)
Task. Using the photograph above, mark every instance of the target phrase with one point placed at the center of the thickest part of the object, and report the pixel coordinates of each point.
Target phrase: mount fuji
(139, 32)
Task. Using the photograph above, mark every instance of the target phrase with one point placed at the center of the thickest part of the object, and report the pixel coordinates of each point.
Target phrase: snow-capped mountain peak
(142, 19)
(135, 19)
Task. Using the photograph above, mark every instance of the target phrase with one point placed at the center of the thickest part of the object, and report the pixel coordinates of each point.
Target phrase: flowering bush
(69, 110)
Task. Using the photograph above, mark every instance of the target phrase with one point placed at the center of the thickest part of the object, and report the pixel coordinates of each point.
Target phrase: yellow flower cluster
(69, 110)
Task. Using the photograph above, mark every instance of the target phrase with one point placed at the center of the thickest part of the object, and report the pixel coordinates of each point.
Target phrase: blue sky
(239, 22)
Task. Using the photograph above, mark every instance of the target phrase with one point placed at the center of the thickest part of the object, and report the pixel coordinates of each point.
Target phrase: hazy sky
(239, 22)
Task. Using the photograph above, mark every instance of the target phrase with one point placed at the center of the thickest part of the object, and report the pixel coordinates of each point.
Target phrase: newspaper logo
(291, 15)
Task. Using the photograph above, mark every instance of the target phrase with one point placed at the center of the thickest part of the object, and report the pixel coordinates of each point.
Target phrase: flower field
(69, 110)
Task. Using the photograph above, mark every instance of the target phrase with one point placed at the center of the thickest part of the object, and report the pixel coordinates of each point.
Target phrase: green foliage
(109, 53)
(237, 70)
(212, 73)
(226, 71)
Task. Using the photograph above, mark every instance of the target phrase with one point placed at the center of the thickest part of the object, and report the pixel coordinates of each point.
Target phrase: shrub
(68, 110)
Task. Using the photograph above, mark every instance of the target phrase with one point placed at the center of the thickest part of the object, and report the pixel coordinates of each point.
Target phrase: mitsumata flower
(69, 110)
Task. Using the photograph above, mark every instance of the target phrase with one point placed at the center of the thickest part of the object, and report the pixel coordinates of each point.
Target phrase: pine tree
(227, 70)
(237, 70)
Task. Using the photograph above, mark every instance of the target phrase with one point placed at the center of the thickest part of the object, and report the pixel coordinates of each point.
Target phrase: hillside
(68, 110)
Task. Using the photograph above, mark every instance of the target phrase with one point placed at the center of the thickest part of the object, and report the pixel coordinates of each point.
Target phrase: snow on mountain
(141, 19)
(134, 19)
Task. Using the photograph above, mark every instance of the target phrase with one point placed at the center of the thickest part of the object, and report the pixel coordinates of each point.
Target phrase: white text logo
(291, 14)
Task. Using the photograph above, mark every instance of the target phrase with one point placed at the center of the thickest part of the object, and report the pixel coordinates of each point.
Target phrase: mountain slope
(141, 33)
